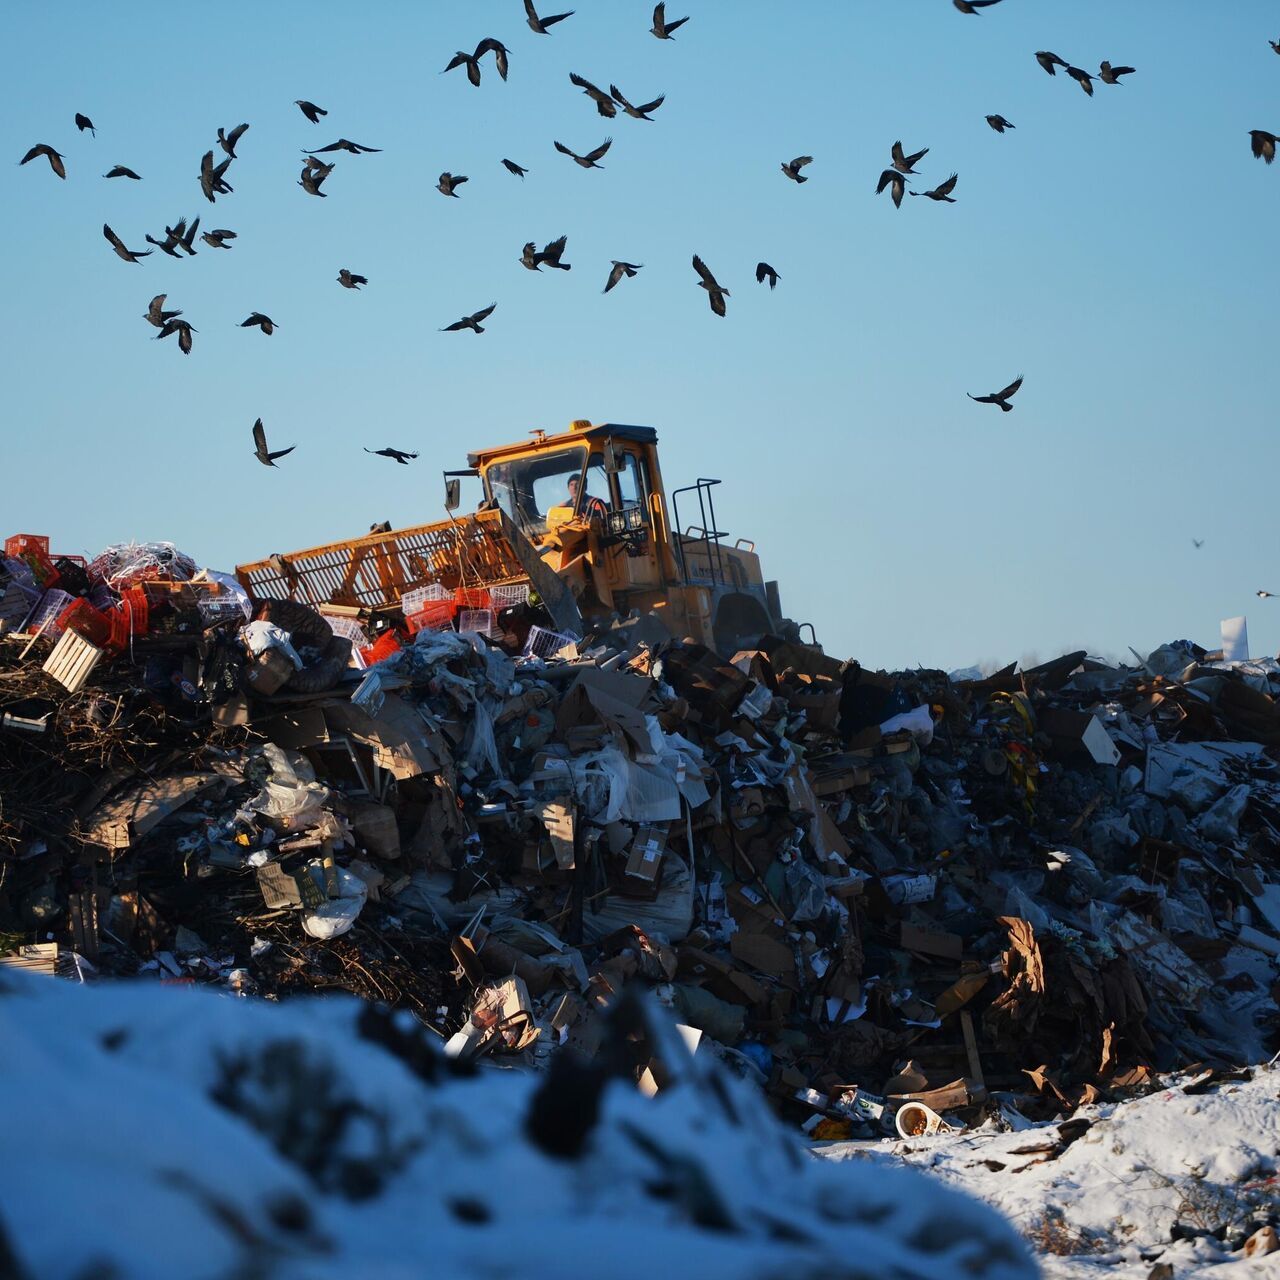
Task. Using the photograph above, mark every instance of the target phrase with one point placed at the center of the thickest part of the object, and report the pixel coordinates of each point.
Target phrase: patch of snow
(1120, 1187)
(161, 1132)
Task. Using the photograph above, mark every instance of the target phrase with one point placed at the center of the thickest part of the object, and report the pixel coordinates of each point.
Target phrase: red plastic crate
(33, 550)
(15, 546)
(385, 645)
(471, 597)
(129, 618)
(87, 622)
(435, 615)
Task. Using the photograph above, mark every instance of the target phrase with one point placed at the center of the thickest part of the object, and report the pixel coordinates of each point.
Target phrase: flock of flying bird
(179, 240)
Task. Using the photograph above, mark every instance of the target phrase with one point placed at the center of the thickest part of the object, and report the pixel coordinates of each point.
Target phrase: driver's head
(574, 483)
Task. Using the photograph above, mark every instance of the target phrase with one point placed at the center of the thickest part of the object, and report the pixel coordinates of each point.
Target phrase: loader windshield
(527, 488)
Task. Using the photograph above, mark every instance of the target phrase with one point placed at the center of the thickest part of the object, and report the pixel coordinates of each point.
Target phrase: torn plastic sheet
(1169, 659)
(1018, 903)
(807, 890)
(1193, 772)
(1267, 904)
(1188, 912)
(612, 788)
(683, 759)
(430, 891)
(757, 768)
(1167, 969)
(481, 747)
(1221, 820)
(670, 913)
(499, 669)
(1261, 674)
(434, 648)
(292, 799)
(539, 941)
(918, 720)
(852, 1012)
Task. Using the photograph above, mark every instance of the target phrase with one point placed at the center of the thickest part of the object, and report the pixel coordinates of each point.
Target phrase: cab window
(527, 488)
(631, 488)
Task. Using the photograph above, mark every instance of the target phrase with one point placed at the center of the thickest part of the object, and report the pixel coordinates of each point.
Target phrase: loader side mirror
(613, 465)
(452, 494)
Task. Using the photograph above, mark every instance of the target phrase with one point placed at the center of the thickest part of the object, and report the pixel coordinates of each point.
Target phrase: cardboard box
(269, 672)
(401, 741)
(501, 1019)
(820, 703)
(722, 979)
(647, 850)
(832, 780)
(614, 699)
(752, 912)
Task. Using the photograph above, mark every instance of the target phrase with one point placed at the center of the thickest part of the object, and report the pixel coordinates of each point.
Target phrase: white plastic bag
(261, 636)
(334, 918)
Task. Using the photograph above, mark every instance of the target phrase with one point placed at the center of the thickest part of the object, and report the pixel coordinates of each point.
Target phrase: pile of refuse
(883, 897)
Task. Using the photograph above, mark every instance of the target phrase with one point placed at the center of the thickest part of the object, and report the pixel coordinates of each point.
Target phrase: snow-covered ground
(154, 1131)
(164, 1132)
(1114, 1194)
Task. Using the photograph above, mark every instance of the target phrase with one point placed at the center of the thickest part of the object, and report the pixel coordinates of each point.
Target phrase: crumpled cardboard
(558, 818)
(501, 1021)
(613, 698)
(376, 828)
(141, 807)
(1018, 1006)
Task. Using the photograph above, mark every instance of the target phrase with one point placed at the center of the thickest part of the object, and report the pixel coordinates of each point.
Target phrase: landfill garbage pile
(226, 1138)
(882, 897)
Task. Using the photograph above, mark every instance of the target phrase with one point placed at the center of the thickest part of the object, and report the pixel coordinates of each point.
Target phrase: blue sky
(1118, 252)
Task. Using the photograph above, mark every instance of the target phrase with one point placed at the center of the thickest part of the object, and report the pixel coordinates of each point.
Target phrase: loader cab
(609, 472)
(592, 502)
(599, 478)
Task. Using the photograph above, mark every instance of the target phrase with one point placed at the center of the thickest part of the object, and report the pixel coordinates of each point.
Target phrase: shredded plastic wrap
(128, 562)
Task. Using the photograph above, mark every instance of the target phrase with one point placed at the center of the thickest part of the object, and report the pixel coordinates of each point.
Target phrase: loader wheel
(739, 621)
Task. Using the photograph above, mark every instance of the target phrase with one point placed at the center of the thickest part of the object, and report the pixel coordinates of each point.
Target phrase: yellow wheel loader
(583, 519)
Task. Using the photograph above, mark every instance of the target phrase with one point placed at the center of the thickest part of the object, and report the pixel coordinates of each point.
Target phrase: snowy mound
(167, 1132)
(1183, 1177)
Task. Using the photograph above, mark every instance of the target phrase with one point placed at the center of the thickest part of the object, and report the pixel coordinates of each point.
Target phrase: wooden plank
(971, 1047)
(83, 909)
